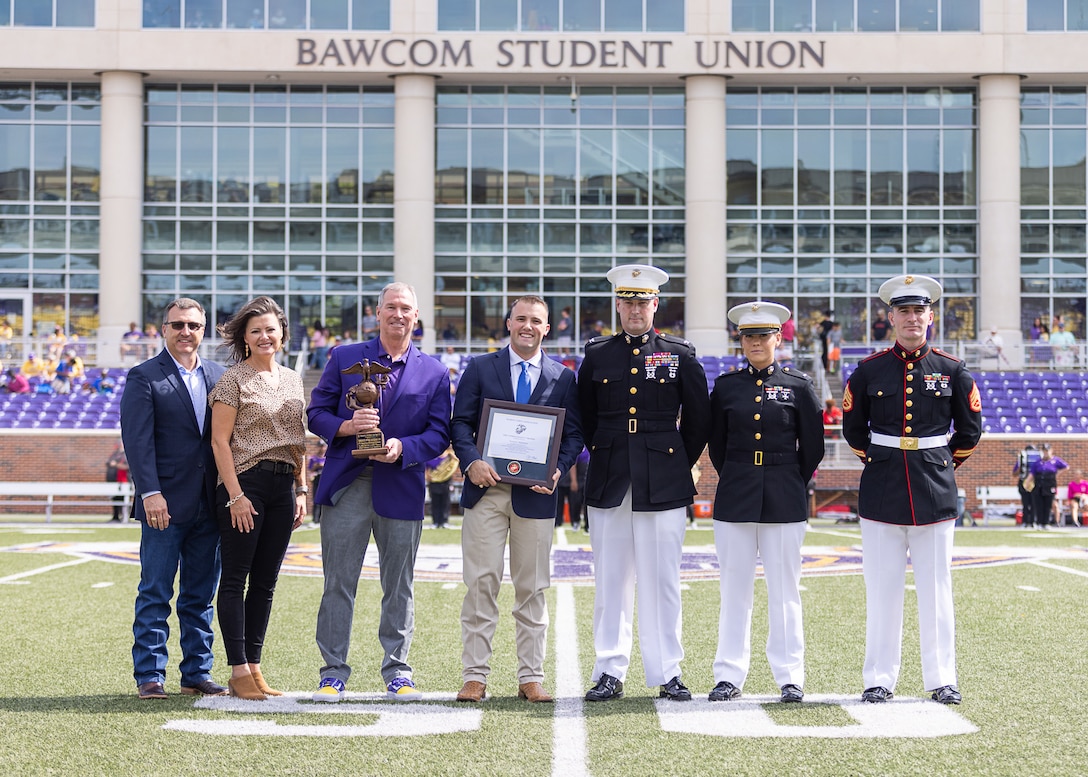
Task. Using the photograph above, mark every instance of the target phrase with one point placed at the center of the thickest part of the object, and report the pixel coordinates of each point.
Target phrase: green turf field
(67, 702)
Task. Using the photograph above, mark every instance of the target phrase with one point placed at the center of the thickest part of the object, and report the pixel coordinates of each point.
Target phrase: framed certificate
(520, 441)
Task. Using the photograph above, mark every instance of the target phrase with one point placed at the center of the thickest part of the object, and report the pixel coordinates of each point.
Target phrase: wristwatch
(301, 490)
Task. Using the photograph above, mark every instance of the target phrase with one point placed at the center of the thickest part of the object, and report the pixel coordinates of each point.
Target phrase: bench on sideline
(997, 496)
(73, 494)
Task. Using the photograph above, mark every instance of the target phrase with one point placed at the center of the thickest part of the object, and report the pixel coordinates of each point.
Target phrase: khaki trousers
(484, 534)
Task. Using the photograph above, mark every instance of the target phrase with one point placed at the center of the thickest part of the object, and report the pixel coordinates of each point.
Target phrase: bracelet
(231, 501)
(301, 490)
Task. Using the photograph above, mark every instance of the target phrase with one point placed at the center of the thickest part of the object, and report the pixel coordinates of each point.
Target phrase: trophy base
(366, 453)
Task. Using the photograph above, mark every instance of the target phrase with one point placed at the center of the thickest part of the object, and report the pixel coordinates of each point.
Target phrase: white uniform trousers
(647, 547)
(779, 545)
(884, 561)
(484, 533)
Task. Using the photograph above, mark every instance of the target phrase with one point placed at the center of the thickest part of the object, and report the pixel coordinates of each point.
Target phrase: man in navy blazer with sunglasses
(495, 510)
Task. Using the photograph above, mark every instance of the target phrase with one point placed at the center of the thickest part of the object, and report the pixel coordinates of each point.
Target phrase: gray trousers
(346, 527)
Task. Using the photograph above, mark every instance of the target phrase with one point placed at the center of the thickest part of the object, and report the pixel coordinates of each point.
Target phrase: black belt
(761, 458)
(636, 425)
(276, 467)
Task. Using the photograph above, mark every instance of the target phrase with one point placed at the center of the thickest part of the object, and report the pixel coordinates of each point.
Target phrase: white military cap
(637, 281)
(910, 290)
(759, 317)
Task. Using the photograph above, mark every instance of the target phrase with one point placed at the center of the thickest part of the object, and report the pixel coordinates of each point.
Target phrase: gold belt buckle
(908, 443)
(632, 425)
(757, 458)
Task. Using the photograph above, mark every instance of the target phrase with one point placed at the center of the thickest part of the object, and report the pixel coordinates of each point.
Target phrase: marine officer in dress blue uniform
(766, 440)
(899, 408)
(646, 418)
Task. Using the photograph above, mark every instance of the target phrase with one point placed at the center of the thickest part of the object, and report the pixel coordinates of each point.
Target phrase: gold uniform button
(632, 411)
(634, 390)
(670, 450)
(759, 436)
(910, 403)
(907, 429)
(910, 416)
(910, 378)
(661, 381)
(910, 390)
(880, 393)
(759, 399)
(936, 393)
(605, 380)
(634, 371)
(755, 417)
(634, 351)
(910, 366)
(759, 382)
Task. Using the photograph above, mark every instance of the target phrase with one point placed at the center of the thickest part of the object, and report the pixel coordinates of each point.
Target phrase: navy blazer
(488, 377)
(166, 451)
(417, 413)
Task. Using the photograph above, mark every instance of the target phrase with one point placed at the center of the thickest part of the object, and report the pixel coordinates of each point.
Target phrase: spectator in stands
(1077, 495)
(824, 331)
(1045, 474)
(55, 343)
(151, 340)
(16, 383)
(314, 466)
(117, 472)
(1064, 345)
(832, 418)
(370, 323)
(789, 332)
(439, 474)
(103, 384)
(451, 360)
(1024, 459)
(33, 366)
(6, 334)
(319, 346)
(880, 327)
(62, 379)
(993, 347)
(564, 330)
(834, 341)
(1040, 336)
(130, 342)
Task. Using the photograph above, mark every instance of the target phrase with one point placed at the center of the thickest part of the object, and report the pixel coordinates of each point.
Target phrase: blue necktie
(525, 389)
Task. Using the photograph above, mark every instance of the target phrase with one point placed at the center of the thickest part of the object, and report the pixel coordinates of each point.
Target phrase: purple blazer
(417, 414)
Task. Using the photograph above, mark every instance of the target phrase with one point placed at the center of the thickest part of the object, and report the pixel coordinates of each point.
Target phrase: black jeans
(256, 556)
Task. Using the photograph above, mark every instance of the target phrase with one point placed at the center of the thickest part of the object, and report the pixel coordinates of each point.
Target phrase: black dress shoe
(724, 691)
(947, 694)
(876, 695)
(674, 690)
(791, 693)
(204, 688)
(151, 690)
(607, 687)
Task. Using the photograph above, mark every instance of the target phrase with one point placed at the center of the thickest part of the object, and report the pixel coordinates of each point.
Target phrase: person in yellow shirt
(32, 366)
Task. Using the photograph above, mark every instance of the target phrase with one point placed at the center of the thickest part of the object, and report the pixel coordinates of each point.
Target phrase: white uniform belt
(908, 443)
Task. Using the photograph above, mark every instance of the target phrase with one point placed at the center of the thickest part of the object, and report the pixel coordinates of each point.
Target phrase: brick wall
(82, 455)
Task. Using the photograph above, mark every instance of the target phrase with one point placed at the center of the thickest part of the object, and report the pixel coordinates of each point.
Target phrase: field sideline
(67, 702)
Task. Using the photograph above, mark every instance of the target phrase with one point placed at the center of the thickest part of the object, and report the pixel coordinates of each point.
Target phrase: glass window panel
(269, 235)
(560, 167)
(50, 162)
(14, 233)
(1068, 164)
(834, 15)
(86, 145)
(14, 153)
(244, 14)
(33, 13)
(596, 160)
(1076, 15)
(378, 235)
(584, 15)
(487, 167)
(751, 16)
(48, 233)
(523, 237)
(233, 167)
(596, 238)
(232, 236)
(305, 236)
(1046, 14)
(959, 167)
(287, 14)
(451, 184)
(328, 14)
(886, 161)
(876, 15)
(960, 15)
(1069, 238)
(456, 14)
(742, 164)
(523, 178)
(159, 234)
(923, 164)
(1034, 167)
(632, 167)
(306, 165)
(792, 15)
(342, 164)
(5, 12)
(203, 13)
(498, 14)
(665, 16)
(621, 15)
(84, 234)
(162, 13)
(370, 15)
(849, 239)
(559, 237)
(813, 167)
(850, 163)
(776, 167)
(196, 235)
(196, 164)
(377, 171)
(487, 236)
(450, 237)
(920, 15)
(75, 13)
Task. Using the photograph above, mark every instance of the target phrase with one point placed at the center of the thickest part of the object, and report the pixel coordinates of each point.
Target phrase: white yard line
(569, 756)
(1059, 568)
(39, 570)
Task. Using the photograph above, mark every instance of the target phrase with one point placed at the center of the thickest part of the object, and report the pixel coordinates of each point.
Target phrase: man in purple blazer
(383, 494)
(495, 511)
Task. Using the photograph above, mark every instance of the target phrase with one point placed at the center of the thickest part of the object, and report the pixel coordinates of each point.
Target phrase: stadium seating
(77, 410)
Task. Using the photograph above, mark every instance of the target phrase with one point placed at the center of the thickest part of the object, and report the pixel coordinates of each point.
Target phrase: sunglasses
(177, 326)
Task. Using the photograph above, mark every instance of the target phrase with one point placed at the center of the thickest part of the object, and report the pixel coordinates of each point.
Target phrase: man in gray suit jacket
(494, 509)
(166, 429)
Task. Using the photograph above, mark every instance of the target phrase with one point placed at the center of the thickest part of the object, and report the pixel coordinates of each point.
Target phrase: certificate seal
(514, 467)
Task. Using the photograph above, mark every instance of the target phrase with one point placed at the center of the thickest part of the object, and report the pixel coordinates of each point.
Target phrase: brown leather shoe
(262, 686)
(151, 690)
(534, 692)
(472, 690)
(204, 688)
(245, 687)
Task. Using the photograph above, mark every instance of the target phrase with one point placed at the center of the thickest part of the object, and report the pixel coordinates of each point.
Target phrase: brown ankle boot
(245, 687)
(262, 686)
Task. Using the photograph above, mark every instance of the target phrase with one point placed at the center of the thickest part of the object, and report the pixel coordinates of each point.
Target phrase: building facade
(800, 151)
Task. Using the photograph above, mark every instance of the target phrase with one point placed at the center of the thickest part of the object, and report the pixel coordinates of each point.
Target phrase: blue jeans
(345, 533)
(254, 557)
(194, 548)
